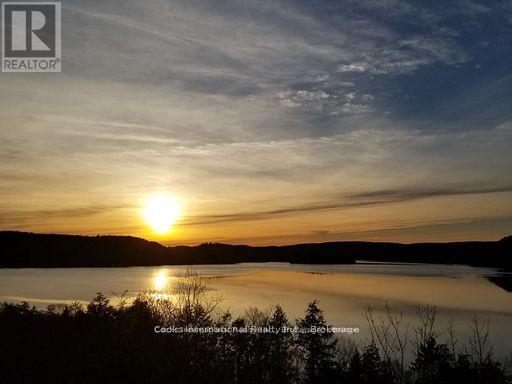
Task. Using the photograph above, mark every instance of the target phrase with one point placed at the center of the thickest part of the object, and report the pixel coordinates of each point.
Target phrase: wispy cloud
(415, 193)
(27, 216)
(347, 201)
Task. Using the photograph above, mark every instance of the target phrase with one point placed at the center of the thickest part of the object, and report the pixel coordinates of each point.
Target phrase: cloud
(336, 103)
(362, 199)
(353, 67)
(477, 229)
(315, 99)
(413, 194)
(9, 217)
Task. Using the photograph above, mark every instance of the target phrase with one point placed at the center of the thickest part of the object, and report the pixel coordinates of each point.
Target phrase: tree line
(105, 343)
(32, 250)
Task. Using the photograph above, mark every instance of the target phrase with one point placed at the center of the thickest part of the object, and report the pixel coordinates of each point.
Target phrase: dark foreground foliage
(102, 343)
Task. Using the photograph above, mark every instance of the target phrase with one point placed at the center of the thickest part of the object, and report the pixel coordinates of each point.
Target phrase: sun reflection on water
(161, 285)
(160, 280)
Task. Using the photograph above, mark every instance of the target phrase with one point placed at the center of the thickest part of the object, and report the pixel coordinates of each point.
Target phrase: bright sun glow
(160, 280)
(161, 213)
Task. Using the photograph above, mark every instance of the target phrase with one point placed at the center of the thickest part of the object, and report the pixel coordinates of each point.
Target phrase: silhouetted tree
(391, 335)
(432, 363)
(318, 346)
(281, 352)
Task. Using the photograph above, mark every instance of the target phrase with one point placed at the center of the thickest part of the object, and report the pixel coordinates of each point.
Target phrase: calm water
(459, 292)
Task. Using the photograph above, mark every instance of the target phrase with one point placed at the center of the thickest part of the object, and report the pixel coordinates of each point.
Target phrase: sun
(161, 212)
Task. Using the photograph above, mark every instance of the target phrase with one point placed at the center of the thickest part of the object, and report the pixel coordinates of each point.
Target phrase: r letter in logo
(31, 37)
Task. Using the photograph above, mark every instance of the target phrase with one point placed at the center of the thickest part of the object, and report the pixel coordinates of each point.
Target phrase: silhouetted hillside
(19, 249)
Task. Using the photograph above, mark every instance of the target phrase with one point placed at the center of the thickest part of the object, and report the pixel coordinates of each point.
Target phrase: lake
(459, 292)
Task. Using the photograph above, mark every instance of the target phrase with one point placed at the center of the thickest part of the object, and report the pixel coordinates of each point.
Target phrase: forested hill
(21, 249)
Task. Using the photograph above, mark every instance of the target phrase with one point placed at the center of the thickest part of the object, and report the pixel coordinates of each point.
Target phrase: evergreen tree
(318, 346)
(433, 362)
(280, 352)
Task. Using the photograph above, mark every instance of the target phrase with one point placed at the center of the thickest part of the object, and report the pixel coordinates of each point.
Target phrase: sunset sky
(270, 122)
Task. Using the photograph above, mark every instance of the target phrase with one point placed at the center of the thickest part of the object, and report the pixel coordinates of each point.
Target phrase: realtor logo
(31, 37)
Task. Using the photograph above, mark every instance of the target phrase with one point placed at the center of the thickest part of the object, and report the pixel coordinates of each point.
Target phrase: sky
(272, 122)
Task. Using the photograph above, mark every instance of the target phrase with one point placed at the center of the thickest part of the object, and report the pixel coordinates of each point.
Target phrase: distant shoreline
(31, 250)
